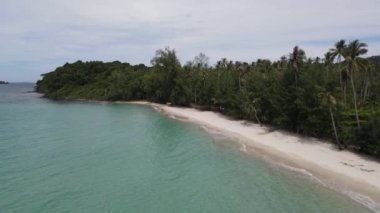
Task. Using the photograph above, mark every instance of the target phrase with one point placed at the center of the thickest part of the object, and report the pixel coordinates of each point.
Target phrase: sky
(37, 36)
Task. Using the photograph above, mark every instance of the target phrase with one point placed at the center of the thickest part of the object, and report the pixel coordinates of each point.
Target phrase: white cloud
(53, 32)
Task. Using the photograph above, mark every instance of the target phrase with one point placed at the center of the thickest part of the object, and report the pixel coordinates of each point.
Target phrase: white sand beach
(349, 171)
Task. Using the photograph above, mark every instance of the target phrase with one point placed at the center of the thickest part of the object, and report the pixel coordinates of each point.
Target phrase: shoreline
(354, 175)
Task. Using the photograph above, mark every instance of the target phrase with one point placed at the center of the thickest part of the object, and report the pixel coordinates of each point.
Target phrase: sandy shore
(347, 170)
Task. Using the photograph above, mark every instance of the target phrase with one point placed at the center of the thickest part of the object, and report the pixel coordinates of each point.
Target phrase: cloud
(39, 35)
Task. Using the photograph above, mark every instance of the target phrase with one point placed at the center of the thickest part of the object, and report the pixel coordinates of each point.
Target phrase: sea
(72, 156)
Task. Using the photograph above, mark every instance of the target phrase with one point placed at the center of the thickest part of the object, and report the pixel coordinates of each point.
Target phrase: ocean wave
(304, 172)
(243, 148)
(216, 133)
(363, 199)
(356, 196)
(157, 108)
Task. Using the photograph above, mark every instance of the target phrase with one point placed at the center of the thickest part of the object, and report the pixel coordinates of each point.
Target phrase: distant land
(4, 82)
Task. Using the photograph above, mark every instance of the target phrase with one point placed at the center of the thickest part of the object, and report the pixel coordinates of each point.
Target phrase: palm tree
(329, 100)
(339, 50)
(354, 63)
(250, 108)
(239, 68)
(317, 60)
(368, 68)
(296, 60)
(282, 63)
(244, 69)
(221, 66)
(337, 53)
(328, 62)
(255, 111)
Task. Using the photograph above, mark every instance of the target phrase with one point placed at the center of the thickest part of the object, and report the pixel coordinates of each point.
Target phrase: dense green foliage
(337, 97)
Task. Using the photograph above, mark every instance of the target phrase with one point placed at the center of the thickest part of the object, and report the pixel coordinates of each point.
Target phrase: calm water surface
(96, 157)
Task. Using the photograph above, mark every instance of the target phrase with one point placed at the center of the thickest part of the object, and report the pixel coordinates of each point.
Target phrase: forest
(335, 97)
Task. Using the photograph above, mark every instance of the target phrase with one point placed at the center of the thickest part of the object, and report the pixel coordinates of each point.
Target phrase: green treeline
(336, 97)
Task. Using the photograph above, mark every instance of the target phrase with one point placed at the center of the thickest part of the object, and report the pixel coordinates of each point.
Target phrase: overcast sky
(37, 36)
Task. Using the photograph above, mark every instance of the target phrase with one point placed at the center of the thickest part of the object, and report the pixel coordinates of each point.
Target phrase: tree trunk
(366, 88)
(343, 84)
(345, 93)
(356, 105)
(335, 132)
(257, 118)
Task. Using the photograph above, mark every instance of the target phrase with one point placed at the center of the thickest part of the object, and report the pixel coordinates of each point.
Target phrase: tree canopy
(295, 93)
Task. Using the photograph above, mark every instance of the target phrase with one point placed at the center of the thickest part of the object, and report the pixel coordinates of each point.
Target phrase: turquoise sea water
(98, 157)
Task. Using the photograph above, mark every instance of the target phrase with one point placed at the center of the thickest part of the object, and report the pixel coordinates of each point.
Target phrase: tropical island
(4, 82)
(335, 97)
(287, 109)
